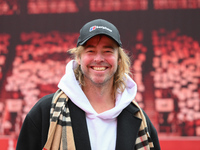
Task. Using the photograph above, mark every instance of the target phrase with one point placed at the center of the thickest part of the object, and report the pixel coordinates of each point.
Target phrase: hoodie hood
(71, 87)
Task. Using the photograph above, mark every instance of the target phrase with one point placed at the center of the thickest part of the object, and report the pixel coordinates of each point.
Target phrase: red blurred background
(161, 37)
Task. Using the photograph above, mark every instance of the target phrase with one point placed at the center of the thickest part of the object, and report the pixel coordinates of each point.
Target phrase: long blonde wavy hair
(119, 77)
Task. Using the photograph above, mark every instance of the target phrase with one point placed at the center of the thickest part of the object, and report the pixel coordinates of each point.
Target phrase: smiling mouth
(99, 68)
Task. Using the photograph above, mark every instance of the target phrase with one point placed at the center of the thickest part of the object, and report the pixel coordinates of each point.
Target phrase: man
(94, 107)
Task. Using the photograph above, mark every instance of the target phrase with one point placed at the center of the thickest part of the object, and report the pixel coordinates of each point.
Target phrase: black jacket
(35, 128)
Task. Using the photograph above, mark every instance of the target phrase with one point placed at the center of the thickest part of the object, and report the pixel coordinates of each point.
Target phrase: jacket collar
(127, 126)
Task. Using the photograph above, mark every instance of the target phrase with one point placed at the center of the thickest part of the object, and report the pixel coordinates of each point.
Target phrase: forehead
(101, 39)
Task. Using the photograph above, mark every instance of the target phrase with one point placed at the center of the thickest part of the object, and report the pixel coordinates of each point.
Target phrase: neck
(100, 97)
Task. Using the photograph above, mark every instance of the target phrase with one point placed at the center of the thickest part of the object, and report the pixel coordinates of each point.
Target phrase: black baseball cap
(96, 27)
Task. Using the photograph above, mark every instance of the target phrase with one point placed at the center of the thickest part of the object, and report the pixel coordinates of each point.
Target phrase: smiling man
(99, 60)
(94, 107)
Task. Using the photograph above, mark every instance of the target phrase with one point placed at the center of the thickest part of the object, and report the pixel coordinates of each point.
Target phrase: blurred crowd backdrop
(162, 38)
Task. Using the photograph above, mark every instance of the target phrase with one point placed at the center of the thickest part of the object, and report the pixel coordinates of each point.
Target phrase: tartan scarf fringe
(60, 135)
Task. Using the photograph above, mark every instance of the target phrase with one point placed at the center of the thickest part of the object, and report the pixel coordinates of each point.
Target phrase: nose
(99, 57)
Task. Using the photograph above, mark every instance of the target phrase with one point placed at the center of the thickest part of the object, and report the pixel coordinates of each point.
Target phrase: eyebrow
(89, 46)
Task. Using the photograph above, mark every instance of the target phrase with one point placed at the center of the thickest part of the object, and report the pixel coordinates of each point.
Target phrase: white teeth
(99, 68)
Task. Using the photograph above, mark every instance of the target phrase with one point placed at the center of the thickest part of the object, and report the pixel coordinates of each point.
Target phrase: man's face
(99, 60)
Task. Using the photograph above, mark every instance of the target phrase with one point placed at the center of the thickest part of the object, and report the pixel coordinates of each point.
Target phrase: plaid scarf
(60, 135)
(143, 141)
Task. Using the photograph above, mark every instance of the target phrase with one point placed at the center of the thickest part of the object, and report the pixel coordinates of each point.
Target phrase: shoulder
(41, 110)
(43, 104)
(150, 126)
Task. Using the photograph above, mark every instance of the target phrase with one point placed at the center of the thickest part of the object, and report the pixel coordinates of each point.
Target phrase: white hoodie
(102, 127)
